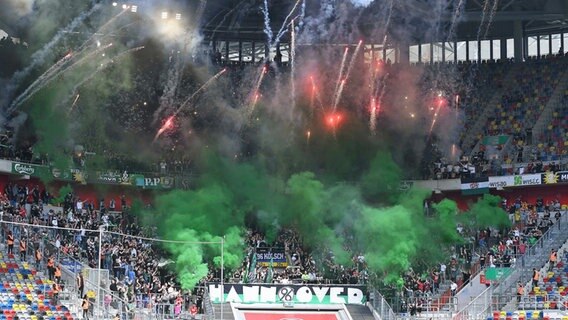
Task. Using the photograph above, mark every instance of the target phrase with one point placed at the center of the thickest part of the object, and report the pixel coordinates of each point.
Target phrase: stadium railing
(500, 293)
(380, 305)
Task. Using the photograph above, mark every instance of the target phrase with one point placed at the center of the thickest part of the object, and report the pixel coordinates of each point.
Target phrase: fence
(501, 292)
(208, 309)
(381, 306)
(477, 308)
(536, 256)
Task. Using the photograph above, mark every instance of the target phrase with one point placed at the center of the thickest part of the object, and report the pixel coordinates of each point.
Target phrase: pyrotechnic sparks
(338, 94)
(284, 24)
(454, 151)
(199, 90)
(20, 99)
(74, 103)
(168, 125)
(353, 59)
(312, 95)
(101, 29)
(256, 92)
(341, 69)
(349, 69)
(52, 74)
(334, 120)
(373, 119)
(267, 28)
(293, 65)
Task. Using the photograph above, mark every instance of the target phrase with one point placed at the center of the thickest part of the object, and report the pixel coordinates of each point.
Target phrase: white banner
(515, 181)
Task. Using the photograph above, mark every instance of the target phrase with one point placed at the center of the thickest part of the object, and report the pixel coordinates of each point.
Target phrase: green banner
(495, 140)
(29, 169)
(95, 177)
(153, 182)
(497, 273)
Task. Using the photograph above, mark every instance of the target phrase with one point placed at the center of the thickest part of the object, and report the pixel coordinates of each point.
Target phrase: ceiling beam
(515, 16)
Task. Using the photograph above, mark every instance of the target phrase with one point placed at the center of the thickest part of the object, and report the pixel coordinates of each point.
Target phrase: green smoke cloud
(446, 214)
(487, 212)
(337, 189)
(63, 191)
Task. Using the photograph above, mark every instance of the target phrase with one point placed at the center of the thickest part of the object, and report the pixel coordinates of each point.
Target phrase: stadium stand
(27, 294)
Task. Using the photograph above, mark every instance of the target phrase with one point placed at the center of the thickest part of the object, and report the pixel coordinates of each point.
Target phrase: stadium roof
(243, 19)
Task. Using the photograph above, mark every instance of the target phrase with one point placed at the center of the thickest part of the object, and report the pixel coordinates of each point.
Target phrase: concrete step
(360, 312)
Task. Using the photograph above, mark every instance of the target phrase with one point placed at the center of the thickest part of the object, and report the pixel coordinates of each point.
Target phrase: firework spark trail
(170, 120)
(491, 17)
(24, 96)
(74, 103)
(55, 67)
(353, 59)
(373, 119)
(41, 78)
(267, 28)
(384, 90)
(42, 82)
(171, 84)
(169, 123)
(102, 67)
(387, 23)
(255, 93)
(377, 103)
(483, 17)
(283, 28)
(374, 73)
(312, 95)
(341, 69)
(81, 60)
(455, 17)
(316, 93)
(238, 6)
(49, 75)
(199, 90)
(293, 64)
(338, 95)
(39, 56)
(101, 29)
(435, 118)
(302, 12)
(347, 73)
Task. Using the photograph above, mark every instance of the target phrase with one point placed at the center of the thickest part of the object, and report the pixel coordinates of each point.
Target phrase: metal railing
(381, 306)
(500, 293)
(477, 308)
(536, 255)
(208, 308)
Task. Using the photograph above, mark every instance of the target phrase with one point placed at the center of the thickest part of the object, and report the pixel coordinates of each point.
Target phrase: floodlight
(178, 16)
(134, 9)
(114, 4)
(164, 15)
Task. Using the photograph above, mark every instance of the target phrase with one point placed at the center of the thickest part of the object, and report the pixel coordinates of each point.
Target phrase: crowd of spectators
(137, 273)
(302, 266)
(484, 248)
(554, 140)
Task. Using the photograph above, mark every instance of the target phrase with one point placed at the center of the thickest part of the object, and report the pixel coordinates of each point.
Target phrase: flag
(472, 186)
(251, 274)
(270, 273)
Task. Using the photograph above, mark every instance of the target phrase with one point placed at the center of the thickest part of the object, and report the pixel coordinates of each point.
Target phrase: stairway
(227, 311)
(551, 106)
(359, 312)
(536, 256)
